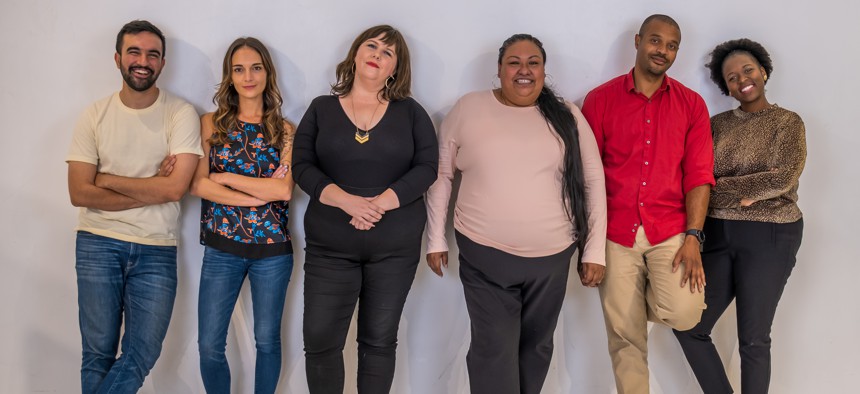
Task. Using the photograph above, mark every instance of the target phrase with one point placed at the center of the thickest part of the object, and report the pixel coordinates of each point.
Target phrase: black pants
(749, 262)
(513, 305)
(344, 265)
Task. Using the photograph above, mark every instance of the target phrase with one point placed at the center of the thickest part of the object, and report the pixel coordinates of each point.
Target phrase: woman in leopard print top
(754, 226)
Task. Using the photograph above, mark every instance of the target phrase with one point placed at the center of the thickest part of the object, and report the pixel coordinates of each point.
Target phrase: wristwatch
(700, 236)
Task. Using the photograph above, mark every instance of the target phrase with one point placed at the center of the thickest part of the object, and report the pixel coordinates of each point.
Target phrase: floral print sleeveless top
(251, 232)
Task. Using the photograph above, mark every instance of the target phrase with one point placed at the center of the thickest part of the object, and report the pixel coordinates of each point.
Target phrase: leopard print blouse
(757, 156)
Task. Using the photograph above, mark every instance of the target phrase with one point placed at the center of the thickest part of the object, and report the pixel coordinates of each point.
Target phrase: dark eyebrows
(151, 51)
(658, 35)
(252, 64)
(518, 58)
(378, 43)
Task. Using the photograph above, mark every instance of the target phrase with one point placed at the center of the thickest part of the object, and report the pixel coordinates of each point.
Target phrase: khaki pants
(640, 286)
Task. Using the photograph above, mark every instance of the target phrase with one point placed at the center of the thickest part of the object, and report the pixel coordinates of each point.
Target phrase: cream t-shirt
(132, 143)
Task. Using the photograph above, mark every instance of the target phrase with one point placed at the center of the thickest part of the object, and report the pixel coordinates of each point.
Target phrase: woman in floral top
(245, 182)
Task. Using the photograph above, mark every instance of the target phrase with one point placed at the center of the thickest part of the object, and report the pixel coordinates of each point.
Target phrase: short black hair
(138, 26)
(723, 51)
(658, 17)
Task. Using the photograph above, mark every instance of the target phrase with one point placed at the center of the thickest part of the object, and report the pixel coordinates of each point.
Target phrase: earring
(388, 81)
(765, 77)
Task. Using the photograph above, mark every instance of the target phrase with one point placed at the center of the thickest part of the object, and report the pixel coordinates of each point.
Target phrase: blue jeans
(220, 282)
(119, 279)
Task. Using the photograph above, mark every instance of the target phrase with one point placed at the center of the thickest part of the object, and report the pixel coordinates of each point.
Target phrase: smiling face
(657, 47)
(745, 79)
(521, 73)
(140, 60)
(375, 60)
(247, 72)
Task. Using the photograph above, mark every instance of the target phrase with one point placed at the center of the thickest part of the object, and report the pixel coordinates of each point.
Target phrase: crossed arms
(240, 190)
(92, 189)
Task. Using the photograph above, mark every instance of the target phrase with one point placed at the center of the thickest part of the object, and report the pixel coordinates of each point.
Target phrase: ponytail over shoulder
(558, 115)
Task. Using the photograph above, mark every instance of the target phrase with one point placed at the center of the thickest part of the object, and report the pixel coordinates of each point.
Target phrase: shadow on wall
(582, 339)
(293, 84)
(426, 72)
(177, 369)
(63, 355)
(437, 358)
(189, 73)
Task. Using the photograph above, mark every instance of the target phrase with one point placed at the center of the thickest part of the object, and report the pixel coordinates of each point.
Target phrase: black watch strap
(700, 236)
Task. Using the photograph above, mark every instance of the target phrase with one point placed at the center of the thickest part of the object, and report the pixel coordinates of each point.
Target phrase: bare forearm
(266, 189)
(333, 195)
(388, 200)
(150, 191)
(209, 190)
(697, 206)
(93, 197)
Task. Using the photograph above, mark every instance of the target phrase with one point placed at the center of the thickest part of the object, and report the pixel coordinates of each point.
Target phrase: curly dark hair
(728, 48)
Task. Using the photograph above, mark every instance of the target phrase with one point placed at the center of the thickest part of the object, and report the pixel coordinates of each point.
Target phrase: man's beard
(136, 83)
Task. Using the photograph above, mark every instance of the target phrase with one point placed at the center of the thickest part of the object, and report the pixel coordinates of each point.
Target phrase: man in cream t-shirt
(131, 160)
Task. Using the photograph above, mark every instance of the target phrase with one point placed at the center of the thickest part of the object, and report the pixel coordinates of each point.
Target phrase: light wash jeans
(220, 281)
(116, 280)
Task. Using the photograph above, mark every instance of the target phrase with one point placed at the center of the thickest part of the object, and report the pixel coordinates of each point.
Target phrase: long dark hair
(558, 115)
(227, 99)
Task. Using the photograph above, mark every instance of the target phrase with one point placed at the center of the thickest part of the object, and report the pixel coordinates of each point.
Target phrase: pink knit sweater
(510, 194)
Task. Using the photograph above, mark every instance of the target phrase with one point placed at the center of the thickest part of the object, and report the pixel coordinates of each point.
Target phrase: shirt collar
(630, 86)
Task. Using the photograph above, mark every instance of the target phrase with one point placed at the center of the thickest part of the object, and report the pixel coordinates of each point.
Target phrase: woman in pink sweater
(532, 193)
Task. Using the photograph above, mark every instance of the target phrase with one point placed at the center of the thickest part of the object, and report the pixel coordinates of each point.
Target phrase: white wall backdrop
(57, 58)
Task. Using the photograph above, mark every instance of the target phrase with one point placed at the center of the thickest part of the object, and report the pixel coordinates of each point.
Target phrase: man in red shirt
(654, 138)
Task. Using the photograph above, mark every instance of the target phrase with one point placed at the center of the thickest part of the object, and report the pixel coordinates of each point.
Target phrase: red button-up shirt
(654, 151)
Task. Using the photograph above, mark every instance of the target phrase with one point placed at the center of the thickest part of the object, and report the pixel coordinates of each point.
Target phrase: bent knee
(681, 318)
(684, 322)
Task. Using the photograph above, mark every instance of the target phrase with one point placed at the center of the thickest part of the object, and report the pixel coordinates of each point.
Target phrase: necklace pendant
(362, 137)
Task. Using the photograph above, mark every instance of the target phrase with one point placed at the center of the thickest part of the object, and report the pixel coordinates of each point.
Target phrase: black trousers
(513, 305)
(343, 266)
(749, 262)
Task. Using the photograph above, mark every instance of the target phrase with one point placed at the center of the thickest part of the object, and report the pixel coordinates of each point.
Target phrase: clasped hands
(367, 211)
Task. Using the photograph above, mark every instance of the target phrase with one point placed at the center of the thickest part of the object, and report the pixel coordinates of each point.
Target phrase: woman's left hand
(745, 202)
(360, 224)
(387, 200)
(281, 171)
(591, 274)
